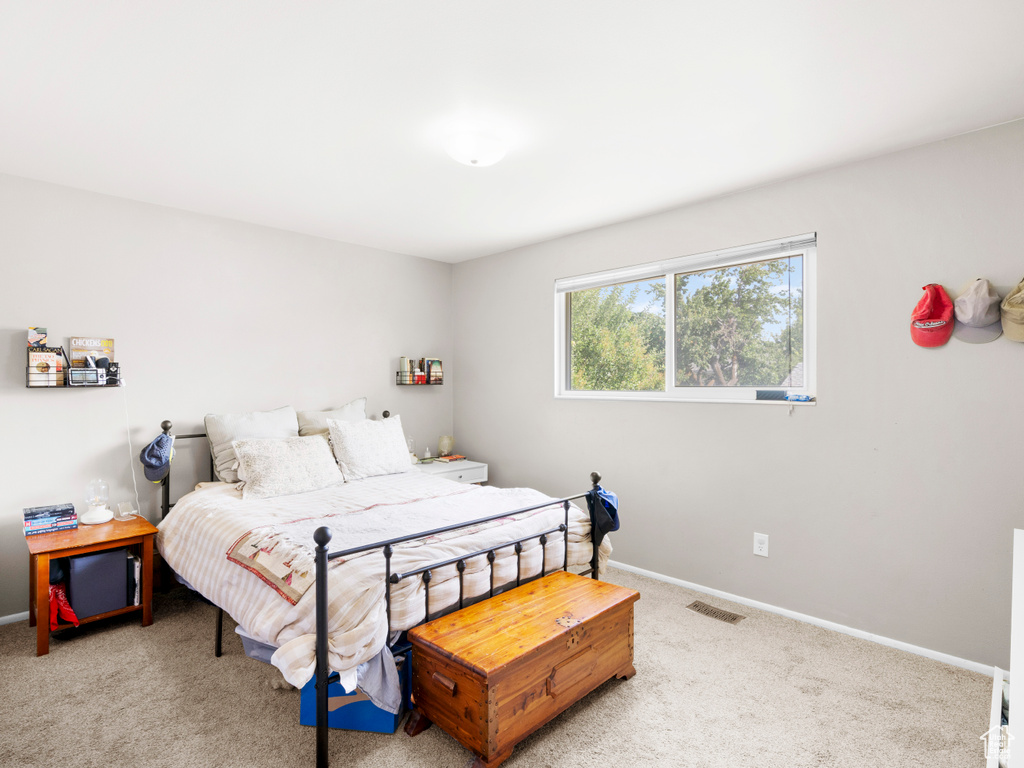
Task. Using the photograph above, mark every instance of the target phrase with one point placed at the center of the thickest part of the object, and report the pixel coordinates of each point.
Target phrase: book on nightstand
(55, 517)
(134, 578)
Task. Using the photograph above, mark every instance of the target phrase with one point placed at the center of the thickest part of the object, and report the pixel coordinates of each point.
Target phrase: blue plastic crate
(354, 711)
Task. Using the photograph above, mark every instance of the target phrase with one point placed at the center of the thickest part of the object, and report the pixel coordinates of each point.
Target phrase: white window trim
(805, 244)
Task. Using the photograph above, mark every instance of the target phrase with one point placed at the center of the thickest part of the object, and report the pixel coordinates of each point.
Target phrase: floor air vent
(715, 613)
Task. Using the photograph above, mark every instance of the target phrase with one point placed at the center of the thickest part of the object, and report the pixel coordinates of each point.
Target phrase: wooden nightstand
(463, 471)
(137, 533)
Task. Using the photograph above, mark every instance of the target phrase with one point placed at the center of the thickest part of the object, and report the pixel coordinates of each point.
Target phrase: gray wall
(890, 504)
(207, 315)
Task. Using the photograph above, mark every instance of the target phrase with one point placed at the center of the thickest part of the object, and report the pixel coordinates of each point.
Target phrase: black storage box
(98, 583)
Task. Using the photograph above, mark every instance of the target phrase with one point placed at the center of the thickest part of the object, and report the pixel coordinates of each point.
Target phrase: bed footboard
(322, 537)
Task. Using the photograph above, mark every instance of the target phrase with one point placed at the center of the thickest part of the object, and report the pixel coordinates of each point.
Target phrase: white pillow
(369, 448)
(222, 429)
(315, 422)
(281, 467)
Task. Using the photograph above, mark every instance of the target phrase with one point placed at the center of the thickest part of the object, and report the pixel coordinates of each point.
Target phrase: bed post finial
(165, 425)
(386, 414)
(595, 478)
(322, 536)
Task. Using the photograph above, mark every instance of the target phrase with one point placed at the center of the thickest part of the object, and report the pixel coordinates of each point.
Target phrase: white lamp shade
(476, 148)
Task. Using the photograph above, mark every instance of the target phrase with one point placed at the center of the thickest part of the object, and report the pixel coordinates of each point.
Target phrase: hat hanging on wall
(1012, 312)
(931, 322)
(156, 457)
(977, 313)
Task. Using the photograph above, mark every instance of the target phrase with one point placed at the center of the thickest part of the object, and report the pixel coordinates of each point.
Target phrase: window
(715, 326)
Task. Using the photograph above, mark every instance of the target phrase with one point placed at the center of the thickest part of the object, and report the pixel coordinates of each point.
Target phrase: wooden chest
(493, 673)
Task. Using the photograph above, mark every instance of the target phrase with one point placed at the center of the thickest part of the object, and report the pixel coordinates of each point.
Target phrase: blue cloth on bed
(604, 512)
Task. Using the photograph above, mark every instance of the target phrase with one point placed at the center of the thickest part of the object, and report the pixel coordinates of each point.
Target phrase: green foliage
(723, 329)
(614, 346)
(734, 326)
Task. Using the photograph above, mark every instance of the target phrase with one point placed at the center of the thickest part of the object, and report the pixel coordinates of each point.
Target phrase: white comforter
(204, 525)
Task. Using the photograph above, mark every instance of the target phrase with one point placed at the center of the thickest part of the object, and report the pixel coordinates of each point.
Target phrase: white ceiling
(330, 118)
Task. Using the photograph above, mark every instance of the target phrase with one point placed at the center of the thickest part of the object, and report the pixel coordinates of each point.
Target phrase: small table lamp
(97, 493)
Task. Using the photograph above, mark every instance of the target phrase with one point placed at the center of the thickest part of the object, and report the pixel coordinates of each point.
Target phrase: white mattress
(203, 526)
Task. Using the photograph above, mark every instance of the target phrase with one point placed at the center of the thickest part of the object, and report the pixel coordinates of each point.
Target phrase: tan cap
(1012, 312)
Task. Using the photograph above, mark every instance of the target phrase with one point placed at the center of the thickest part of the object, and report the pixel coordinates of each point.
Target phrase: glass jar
(445, 445)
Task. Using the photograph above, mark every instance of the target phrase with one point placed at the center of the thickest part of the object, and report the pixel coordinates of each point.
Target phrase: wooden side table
(137, 532)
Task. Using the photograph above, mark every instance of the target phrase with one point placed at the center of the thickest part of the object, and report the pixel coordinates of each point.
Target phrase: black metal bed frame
(322, 537)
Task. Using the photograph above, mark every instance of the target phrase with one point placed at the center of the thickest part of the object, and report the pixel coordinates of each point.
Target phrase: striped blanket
(214, 540)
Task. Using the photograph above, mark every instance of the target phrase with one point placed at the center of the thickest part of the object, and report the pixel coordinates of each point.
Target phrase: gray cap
(977, 313)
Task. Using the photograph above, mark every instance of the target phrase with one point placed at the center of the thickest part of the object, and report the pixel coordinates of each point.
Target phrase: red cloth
(59, 605)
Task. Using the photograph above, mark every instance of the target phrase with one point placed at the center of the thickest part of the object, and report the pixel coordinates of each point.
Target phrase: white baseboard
(23, 616)
(945, 658)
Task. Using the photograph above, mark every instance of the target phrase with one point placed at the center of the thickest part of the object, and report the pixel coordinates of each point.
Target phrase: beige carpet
(769, 691)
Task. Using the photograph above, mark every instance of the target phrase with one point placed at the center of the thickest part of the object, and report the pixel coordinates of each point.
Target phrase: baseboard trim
(945, 658)
(23, 616)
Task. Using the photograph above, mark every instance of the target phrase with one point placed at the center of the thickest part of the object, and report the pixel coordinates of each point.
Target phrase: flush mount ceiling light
(476, 148)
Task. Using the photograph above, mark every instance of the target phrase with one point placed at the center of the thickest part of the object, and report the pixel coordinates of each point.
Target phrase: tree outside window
(739, 326)
(618, 337)
(735, 323)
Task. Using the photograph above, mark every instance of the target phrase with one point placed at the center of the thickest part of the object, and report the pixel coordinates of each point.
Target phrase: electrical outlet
(761, 544)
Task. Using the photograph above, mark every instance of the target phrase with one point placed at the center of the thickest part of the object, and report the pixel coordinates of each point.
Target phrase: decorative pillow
(315, 422)
(222, 429)
(284, 466)
(369, 448)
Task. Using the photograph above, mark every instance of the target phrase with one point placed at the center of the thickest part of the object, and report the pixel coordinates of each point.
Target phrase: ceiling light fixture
(476, 148)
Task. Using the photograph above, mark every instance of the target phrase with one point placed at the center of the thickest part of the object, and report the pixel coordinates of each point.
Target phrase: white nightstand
(463, 471)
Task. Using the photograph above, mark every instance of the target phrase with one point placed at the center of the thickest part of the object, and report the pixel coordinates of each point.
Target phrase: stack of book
(56, 517)
(453, 457)
(45, 364)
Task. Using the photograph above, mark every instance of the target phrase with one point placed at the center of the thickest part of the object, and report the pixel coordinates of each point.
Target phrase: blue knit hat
(156, 457)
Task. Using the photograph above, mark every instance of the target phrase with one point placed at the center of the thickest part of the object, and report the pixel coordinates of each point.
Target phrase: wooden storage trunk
(493, 673)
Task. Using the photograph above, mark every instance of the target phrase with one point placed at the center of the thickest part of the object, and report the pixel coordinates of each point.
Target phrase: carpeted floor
(768, 692)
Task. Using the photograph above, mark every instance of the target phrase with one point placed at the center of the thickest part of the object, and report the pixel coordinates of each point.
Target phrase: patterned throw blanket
(282, 554)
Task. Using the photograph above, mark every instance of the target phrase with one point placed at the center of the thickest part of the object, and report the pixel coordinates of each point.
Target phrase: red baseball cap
(931, 322)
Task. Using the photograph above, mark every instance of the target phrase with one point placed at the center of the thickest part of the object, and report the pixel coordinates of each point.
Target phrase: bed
(333, 575)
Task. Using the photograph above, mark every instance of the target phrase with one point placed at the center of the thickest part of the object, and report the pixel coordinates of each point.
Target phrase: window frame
(805, 245)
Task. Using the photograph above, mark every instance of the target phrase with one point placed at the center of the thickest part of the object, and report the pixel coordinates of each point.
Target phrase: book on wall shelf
(435, 373)
(37, 336)
(45, 367)
(425, 370)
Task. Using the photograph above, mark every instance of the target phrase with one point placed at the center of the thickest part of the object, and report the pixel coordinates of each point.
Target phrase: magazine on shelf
(84, 347)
